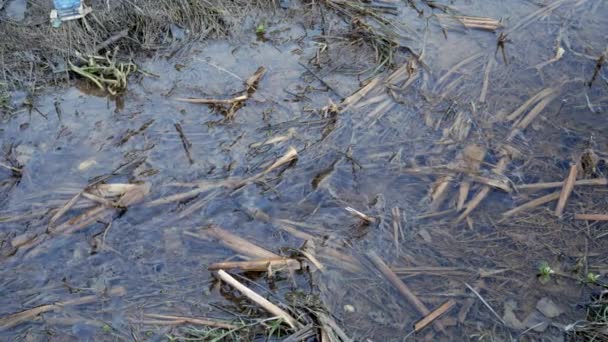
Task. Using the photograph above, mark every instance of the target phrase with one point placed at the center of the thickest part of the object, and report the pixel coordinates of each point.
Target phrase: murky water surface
(384, 156)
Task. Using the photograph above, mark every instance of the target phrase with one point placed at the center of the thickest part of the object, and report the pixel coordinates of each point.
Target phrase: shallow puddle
(403, 155)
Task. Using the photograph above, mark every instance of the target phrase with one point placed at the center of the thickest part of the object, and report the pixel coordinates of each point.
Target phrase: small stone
(24, 154)
(86, 164)
(15, 10)
(425, 235)
(349, 308)
(510, 318)
(548, 308)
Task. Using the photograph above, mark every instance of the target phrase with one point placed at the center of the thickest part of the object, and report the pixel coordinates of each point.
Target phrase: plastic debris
(68, 10)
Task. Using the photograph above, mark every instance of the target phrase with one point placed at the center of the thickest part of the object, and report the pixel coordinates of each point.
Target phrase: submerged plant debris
(335, 170)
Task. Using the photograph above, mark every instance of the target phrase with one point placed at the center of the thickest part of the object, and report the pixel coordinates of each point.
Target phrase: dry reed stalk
(486, 79)
(238, 244)
(178, 320)
(360, 215)
(566, 190)
(533, 204)
(551, 185)
(472, 156)
(525, 121)
(250, 84)
(69, 204)
(399, 285)
(439, 192)
(428, 319)
(484, 191)
(350, 101)
(15, 319)
(261, 265)
(289, 156)
(591, 217)
(259, 300)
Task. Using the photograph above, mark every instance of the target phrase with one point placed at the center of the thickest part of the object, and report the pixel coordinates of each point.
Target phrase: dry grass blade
(178, 320)
(15, 319)
(472, 156)
(350, 101)
(455, 68)
(253, 80)
(525, 122)
(259, 300)
(288, 157)
(527, 20)
(360, 215)
(537, 97)
(211, 101)
(485, 303)
(10, 168)
(69, 204)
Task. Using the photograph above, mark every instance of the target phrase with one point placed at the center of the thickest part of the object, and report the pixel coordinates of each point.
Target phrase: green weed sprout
(544, 272)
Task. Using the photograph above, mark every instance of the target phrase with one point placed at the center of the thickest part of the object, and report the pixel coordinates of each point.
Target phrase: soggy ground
(444, 114)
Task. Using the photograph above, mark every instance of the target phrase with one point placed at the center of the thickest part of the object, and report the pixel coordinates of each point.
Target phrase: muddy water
(358, 158)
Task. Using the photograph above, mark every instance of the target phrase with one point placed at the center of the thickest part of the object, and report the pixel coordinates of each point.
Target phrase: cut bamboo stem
(566, 190)
(259, 300)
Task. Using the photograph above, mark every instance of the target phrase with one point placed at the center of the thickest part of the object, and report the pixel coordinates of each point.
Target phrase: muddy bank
(435, 165)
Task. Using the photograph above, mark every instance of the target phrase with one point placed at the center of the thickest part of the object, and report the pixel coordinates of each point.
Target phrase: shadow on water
(439, 166)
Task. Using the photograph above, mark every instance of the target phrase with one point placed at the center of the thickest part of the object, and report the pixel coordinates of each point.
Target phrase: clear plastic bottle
(67, 8)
